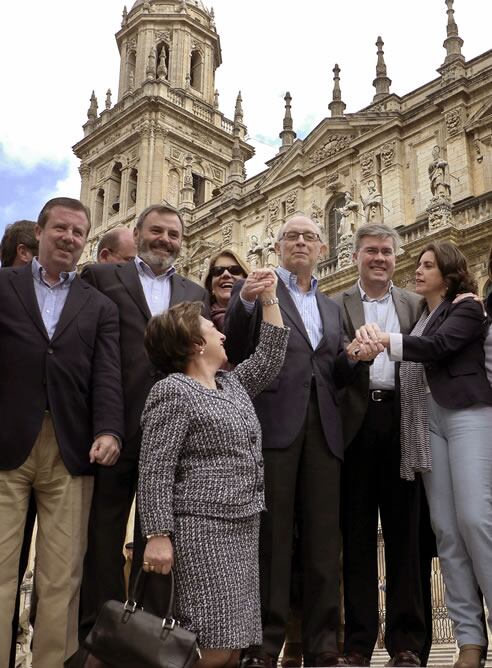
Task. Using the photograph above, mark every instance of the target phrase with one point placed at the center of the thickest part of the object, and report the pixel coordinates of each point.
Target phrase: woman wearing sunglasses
(225, 269)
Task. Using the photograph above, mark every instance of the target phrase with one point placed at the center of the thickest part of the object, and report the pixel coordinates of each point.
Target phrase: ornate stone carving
(274, 209)
(217, 173)
(254, 252)
(226, 234)
(316, 213)
(268, 254)
(291, 202)
(345, 252)
(439, 213)
(439, 175)
(347, 212)
(478, 150)
(372, 204)
(367, 164)
(453, 122)
(332, 178)
(388, 153)
(163, 36)
(335, 144)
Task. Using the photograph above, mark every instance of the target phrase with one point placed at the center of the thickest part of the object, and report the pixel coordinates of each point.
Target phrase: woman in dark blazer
(201, 487)
(447, 433)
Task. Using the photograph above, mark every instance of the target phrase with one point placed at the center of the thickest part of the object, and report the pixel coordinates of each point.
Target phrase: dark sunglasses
(233, 269)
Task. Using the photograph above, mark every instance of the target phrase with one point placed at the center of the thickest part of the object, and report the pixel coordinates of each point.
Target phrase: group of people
(254, 418)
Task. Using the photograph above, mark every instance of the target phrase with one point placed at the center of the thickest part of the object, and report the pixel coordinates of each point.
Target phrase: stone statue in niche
(254, 253)
(439, 175)
(151, 64)
(268, 255)
(131, 80)
(162, 67)
(347, 222)
(372, 204)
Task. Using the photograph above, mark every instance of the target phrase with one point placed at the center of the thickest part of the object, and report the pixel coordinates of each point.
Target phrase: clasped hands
(369, 341)
(259, 282)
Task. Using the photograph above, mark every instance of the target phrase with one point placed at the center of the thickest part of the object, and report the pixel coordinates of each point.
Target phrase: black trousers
(303, 482)
(371, 482)
(103, 578)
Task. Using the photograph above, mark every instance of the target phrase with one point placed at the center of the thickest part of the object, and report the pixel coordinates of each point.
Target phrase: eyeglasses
(233, 269)
(307, 236)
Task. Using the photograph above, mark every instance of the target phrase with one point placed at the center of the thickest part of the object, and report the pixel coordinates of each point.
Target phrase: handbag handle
(136, 593)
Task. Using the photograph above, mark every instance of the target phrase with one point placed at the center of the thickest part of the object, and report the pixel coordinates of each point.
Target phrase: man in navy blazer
(61, 411)
(302, 446)
(140, 289)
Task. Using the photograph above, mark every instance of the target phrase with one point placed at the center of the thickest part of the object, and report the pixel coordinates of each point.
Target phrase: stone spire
(238, 111)
(216, 99)
(382, 82)
(236, 166)
(92, 111)
(124, 17)
(108, 99)
(336, 106)
(453, 41)
(287, 135)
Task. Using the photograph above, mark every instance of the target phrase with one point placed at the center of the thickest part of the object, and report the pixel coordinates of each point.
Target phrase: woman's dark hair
(453, 267)
(207, 283)
(170, 337)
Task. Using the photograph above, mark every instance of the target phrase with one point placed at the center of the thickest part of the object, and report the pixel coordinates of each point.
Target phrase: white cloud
(55, 52)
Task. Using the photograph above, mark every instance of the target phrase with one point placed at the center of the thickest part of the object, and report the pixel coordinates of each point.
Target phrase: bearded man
(142, 288)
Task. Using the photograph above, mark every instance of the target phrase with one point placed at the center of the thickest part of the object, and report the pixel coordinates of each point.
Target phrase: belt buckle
(377, 395)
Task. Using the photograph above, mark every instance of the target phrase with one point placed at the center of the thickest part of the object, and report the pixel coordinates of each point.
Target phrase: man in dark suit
(302, 445)
(141, 288)
(61, 411)
(371, 474)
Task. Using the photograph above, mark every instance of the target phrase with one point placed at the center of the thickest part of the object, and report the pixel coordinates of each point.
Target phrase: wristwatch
(270, 302)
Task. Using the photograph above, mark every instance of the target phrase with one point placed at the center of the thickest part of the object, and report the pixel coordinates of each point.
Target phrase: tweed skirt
(217, 579)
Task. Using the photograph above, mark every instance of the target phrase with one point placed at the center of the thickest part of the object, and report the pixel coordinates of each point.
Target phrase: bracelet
(162, 534)
(270, 302)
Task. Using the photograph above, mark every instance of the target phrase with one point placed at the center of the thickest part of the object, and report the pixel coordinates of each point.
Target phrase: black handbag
(125, 636)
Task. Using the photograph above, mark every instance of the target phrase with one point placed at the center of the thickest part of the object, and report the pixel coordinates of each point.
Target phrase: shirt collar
(365, 297)
(39, 273)
(144, 269)
(290, 280)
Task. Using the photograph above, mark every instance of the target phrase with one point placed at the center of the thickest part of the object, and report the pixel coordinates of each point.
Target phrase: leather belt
(381, 395)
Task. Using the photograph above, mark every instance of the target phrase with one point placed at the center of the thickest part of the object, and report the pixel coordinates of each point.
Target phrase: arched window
(132, 188)
(332, 222)
(114, 190)
(162, 65)
(99, 208)
(199, 188)
(131, 64)
(196, 70)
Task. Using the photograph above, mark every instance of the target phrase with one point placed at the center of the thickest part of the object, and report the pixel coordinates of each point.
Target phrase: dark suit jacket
(77, 373)
(354, 398)
(282, 406)
(451, 349)
(121, 283)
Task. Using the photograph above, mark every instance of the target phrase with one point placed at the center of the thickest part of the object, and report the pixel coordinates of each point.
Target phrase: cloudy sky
(53, 53)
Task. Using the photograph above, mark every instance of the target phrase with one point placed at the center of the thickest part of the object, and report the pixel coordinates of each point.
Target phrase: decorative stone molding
(367, 164)
(335, 144)
(291, 202)
(453, 122)
(388, 153)
(226, 234)
(316, 213)
(163, 36)
(439, 213)
(274, 209)
(478, 150)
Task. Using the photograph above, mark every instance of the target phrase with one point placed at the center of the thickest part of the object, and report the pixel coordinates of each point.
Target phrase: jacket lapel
(440, 311)
(77, 296)
(127, 274)
(289, 308)
(23, 283)
(178, 289)
(353, 305)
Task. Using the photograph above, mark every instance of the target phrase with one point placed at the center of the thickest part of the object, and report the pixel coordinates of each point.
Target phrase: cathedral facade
(421, 162)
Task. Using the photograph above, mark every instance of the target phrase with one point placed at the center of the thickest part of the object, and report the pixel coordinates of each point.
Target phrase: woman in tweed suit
(201, 471)
(446, 427)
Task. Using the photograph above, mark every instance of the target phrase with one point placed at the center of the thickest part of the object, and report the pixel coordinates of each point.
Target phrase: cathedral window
(99, 208)
(196, 70)
(332, 222)
(131, 64)
(199, 188)
(132, 188)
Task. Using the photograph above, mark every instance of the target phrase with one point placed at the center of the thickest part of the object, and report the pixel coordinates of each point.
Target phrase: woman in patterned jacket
(201, 484)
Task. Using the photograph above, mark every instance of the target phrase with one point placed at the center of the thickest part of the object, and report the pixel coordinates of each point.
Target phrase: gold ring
(145, 563)
(151, 568)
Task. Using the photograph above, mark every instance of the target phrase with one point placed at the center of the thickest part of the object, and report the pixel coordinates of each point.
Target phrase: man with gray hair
(371, 475)
(140, 289)
(302, 446)
(117, 245)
